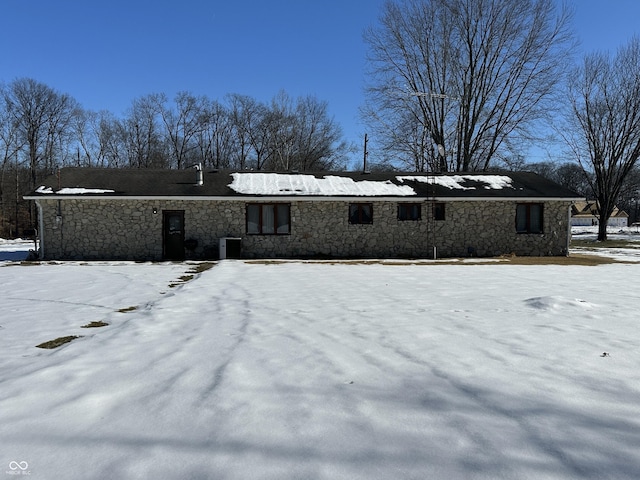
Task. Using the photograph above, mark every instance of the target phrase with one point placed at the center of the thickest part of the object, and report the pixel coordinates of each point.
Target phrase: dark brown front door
(173, 230)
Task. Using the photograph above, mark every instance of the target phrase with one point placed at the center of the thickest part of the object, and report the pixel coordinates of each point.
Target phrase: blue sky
(106, 53)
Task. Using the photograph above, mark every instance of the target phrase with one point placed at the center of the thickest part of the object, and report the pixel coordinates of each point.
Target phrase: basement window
(529, 218)
(268, 219)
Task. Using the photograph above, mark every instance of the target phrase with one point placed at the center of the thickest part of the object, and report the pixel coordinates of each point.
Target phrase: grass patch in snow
(195, 270)
(128, 309)
(57, 342)
(596, 244)
(573, 259)
(181, 280)
(202, 267)
(95, 324)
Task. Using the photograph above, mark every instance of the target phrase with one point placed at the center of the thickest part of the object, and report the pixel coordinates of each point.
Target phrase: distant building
(585, 213)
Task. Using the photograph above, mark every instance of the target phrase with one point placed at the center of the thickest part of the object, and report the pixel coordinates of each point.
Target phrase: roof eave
(310, 198)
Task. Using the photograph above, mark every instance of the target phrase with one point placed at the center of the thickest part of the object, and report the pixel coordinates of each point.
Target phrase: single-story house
(89, 213)
(586, 213)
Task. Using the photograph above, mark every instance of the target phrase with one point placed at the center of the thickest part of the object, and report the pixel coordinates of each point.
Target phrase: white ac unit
(230, 247)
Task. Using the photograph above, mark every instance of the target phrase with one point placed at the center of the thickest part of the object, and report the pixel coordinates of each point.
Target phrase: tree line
(42, 129)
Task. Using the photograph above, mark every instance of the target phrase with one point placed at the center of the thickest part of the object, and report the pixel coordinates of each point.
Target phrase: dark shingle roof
(183, 183)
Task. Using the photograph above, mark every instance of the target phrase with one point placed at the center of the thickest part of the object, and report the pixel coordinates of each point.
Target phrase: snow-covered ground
(319, 371)
(627, 235)
(613, 233)
(15, 250)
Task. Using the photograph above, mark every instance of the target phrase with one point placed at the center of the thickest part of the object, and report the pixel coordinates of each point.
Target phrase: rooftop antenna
(366, 153)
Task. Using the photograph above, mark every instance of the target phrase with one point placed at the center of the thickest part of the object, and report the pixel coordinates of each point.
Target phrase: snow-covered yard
(298, 370)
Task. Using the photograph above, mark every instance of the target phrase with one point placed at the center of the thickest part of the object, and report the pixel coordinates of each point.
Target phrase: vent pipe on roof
(198, 167)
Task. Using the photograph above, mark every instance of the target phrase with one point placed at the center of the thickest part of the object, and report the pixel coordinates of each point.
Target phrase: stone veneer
(128, 229)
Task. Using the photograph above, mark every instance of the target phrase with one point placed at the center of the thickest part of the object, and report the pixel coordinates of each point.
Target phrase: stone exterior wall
(130, 230)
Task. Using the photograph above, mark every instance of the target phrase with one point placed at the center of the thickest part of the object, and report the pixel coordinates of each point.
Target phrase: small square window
(409, 211)
(360, 213)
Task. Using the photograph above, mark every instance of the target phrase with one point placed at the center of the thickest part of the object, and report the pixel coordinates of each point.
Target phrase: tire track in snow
(481, 399)
(229, 293)
(62, 302)
(196, 316)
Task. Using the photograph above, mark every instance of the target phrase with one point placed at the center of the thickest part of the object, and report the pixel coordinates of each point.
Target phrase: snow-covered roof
(331, 185)
(491, 182)
(72, 191)
(301, 184)
(147, 183)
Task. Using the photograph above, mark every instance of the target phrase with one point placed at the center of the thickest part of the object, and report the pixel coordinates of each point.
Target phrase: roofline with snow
(308, 198)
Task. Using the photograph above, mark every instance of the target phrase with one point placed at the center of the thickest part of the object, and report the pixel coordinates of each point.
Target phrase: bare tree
(10, 146)
(182, 124)
(216, 141)
(470, 73)
(42, 116)
(243, 113)
(406, 140)
(99, 138)
(111, 140)
(568, 174)
(317, 137)
(84, 137)
(280, 124)
(573, 177)
(604, 92)
(143, 140)
(286, 134)
(300, 135)
(251, 124)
